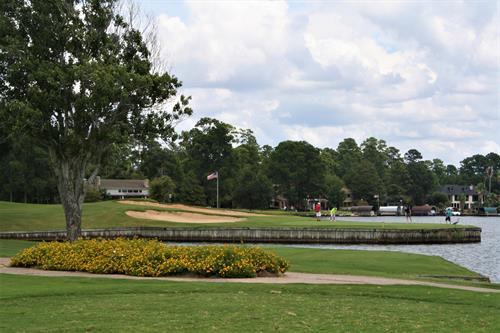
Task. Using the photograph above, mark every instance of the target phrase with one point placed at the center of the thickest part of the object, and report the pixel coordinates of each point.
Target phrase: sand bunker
(182, 217)
(214, 211)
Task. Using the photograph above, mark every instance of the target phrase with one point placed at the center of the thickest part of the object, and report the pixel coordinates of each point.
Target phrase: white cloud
(416, 75)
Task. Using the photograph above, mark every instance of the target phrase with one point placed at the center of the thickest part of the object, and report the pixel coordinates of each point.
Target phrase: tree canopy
(79, 95)
(78, 79)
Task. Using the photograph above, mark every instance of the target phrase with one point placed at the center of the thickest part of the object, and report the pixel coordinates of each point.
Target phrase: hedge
(140, 257)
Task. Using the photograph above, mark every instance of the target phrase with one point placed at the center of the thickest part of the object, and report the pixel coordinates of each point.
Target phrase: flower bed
(150, 258)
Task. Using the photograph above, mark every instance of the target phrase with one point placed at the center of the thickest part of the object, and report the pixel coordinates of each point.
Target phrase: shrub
(162, 189)
(439, 199)
(93, 195)
(150, 258)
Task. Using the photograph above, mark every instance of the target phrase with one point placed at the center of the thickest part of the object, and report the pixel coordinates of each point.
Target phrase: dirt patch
(214, 211)
(182, 217)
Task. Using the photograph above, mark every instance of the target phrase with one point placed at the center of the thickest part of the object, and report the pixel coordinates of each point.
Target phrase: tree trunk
(70, 183)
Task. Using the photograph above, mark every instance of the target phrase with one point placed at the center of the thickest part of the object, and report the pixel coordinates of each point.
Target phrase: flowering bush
(150, 258)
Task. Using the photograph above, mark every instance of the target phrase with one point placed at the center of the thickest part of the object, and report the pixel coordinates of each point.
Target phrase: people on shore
(448, 214)
(408, 213)
(317, 209)
(333, 213)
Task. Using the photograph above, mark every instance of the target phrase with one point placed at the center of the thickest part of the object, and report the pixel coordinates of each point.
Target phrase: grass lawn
(353, 262)
(33, 217)
(369, 263)
(10, 247)
(102, 305)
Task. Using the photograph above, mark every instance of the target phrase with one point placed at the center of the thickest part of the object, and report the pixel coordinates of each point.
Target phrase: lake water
(483, 257)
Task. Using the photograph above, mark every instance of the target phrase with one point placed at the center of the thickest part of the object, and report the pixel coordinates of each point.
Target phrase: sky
(422, 74)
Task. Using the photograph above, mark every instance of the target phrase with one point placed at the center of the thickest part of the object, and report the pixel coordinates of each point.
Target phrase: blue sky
(423, 75)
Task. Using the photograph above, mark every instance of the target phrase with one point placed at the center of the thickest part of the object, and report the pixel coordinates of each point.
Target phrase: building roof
(111, 184)
(458, 189)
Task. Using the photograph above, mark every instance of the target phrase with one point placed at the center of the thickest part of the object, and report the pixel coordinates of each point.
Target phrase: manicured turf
(31, 217)
(10, 247)
(370, 263)
(101, 305)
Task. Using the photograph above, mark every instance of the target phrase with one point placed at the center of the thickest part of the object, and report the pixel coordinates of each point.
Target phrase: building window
(475, 198)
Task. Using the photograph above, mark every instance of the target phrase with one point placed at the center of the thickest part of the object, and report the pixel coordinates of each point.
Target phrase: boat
(488, 211)
(423, 210)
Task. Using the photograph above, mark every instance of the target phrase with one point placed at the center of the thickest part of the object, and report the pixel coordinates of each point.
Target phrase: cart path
(289, 277)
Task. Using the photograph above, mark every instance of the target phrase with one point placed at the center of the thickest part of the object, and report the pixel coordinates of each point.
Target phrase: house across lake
(472, 197)
(124, 188)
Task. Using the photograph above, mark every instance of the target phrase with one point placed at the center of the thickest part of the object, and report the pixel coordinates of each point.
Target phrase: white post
(217, 189)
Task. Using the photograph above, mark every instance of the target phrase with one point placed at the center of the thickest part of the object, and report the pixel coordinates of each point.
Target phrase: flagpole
(217, 189)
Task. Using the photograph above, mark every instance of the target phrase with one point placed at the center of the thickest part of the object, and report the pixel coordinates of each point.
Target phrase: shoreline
(295, 235)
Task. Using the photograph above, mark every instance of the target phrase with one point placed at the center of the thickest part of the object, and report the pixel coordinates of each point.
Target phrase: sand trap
(181, 217)
(214, 211)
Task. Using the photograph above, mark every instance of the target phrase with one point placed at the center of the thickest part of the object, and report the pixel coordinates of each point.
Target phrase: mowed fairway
(40, 304)
(107, 214)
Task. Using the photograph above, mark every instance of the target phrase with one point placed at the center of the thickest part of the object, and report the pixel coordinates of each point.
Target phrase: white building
(454, 192)
(124, 188)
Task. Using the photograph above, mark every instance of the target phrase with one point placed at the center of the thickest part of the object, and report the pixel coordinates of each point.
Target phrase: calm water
(483, 257)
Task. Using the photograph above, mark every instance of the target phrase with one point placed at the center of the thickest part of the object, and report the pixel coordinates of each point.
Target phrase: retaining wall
(272, 235)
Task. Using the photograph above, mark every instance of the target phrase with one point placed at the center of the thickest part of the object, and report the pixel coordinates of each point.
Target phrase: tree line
(81, 96)
(252, 175)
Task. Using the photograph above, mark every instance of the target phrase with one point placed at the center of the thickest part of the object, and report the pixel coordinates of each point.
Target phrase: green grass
(33, 217)
(40, 304)
(353, 262)
(10, 247)
(369, 263)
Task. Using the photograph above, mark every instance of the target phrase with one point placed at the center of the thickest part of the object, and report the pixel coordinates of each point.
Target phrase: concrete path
(289, 277)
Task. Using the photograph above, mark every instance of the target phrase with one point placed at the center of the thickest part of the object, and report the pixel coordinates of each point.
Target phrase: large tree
(423, 180)
(375, 151)
(364, 181)
(296, 168)
(208, 148)
(348, 155)
(78, 78)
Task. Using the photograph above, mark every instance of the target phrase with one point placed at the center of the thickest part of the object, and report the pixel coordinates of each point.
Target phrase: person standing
(408, 213)
(448, 214)
(333, 212)
(317, 209)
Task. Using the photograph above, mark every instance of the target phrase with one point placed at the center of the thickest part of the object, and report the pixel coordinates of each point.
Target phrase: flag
(213, 175)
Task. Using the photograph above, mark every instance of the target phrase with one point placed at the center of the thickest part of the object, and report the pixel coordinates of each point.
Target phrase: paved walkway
(289, 277)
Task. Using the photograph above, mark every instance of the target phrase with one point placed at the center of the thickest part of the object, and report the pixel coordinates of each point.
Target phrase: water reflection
(483, 257)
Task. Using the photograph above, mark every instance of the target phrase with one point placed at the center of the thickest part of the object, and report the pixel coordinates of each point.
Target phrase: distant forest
(251, 175)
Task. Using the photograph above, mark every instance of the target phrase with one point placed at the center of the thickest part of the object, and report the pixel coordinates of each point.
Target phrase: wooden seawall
(272, 235)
